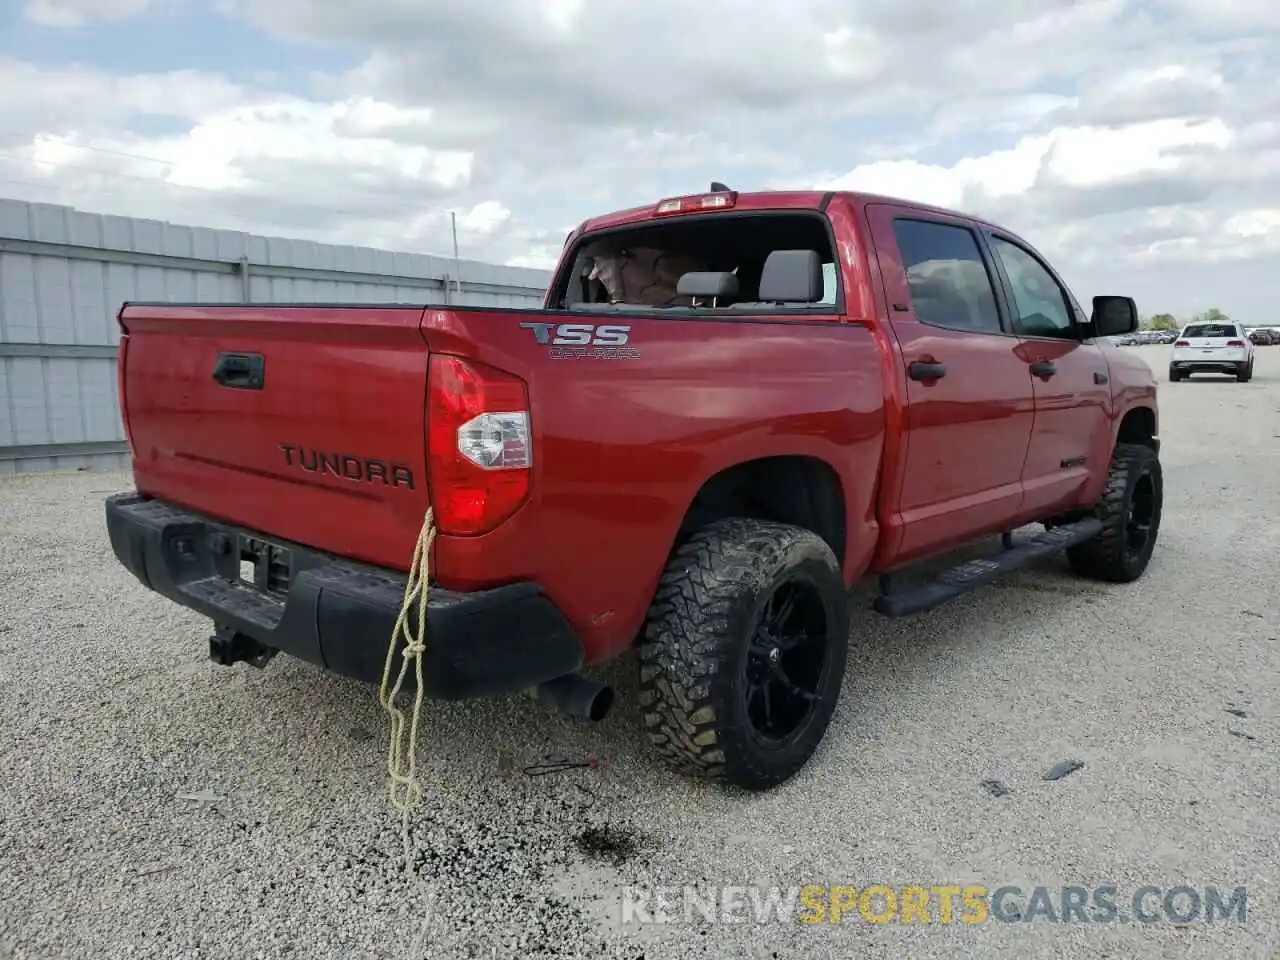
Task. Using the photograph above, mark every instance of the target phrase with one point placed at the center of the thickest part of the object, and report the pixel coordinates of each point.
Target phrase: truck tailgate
(308, 424)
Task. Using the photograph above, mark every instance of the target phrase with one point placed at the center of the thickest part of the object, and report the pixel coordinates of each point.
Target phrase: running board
(972, 574)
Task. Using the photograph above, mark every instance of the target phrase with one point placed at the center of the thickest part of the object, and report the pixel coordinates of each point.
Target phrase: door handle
(1044, 369)
(926, 371)
(240, 371)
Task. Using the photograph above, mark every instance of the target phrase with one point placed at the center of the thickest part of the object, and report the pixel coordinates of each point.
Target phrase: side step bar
(972, 574)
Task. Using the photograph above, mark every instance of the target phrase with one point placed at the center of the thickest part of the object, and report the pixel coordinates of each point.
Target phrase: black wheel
(1245, 375)
(1130, 510)
(744, 652)
(1174, 375)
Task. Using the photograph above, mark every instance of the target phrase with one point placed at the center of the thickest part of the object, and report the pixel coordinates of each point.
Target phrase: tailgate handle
(240, 371)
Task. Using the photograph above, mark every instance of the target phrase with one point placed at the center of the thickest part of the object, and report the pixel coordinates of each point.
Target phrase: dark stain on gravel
(613, 844)
(995, 787)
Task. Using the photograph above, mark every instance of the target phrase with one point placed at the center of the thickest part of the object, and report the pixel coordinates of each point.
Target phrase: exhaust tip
(577, 696)
(601, 704)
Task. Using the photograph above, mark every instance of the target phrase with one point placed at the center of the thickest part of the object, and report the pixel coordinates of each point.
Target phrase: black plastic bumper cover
(1222, 366)
(340, 614)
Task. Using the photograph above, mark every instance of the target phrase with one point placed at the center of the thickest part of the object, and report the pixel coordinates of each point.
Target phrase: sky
(1136, 143)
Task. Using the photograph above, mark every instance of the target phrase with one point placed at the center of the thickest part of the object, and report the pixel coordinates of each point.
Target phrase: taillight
(1181, 343)
(121, 356)
(1235, 343)
(480, 447)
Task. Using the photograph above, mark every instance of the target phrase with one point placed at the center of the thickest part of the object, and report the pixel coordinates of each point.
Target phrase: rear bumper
(339, 614)
(1223, 364)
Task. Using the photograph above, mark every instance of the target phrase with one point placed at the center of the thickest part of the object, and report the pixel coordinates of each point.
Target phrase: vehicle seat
(790, 278)
(702, 285)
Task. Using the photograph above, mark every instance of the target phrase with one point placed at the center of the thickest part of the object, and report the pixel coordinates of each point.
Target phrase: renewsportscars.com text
(933, 904)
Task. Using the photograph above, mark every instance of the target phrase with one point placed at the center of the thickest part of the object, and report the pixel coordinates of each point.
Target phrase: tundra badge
(348, 466)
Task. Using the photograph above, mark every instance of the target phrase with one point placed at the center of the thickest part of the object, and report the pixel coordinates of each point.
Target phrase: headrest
(792, 276)
(706, 283)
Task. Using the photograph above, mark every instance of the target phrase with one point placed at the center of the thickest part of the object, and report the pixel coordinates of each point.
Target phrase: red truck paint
(310, 440)
(623, 447)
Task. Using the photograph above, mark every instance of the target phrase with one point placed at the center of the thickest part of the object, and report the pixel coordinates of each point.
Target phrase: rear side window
(1211, 330)
(829, 283)
(948, 280)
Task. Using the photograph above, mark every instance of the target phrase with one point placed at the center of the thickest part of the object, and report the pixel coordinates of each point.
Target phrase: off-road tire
(1108, 556)
(1245, 375)
(694, 651)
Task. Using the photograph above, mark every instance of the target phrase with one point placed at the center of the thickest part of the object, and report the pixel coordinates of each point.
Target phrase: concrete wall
(64, 274)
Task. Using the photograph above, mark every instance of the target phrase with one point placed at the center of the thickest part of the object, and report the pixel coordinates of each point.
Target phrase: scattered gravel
(155, 805)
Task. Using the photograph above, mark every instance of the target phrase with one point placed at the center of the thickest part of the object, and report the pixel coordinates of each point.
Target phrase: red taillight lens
(122, 350)
(121, 357)
(1235, 343)
(1181, 343)
(479, 444)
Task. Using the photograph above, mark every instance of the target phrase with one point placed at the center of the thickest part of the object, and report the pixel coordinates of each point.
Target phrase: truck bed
(331, 451)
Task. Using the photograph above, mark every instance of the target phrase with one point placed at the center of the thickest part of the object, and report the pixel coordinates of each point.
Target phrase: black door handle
(919, 370)
(1043, 368)
(240, 371)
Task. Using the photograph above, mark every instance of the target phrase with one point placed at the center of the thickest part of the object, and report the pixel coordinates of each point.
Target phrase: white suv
(1212, 348)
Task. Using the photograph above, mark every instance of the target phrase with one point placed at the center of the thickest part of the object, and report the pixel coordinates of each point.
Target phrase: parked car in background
(1212, 348)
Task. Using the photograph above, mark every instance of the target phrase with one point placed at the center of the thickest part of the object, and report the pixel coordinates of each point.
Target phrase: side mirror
(1114, 316)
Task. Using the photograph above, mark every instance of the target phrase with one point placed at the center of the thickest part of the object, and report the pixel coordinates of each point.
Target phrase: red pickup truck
(731, 407)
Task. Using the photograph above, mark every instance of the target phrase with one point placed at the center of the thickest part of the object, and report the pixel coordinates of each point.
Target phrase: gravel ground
(154, 805)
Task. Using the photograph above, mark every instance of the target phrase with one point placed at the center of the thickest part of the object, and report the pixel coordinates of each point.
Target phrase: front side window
(948, 280)
(1039, 302)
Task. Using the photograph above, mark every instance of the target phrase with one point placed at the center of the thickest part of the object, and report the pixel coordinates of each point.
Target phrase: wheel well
(1138, 426)
(801, 491)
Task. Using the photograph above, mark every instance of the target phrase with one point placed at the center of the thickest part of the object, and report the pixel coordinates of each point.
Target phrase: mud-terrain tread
(689, 637)
(1104, 557)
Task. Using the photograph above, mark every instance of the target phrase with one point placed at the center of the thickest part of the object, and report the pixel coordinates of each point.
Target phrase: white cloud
(485, 217)
(76, 13)
(1071, 156)
(1127, 139)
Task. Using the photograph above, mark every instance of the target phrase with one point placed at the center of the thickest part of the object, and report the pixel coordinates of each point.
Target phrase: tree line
(1168, 322)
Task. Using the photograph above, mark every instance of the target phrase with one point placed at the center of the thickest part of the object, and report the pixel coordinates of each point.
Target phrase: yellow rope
(406, 792)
